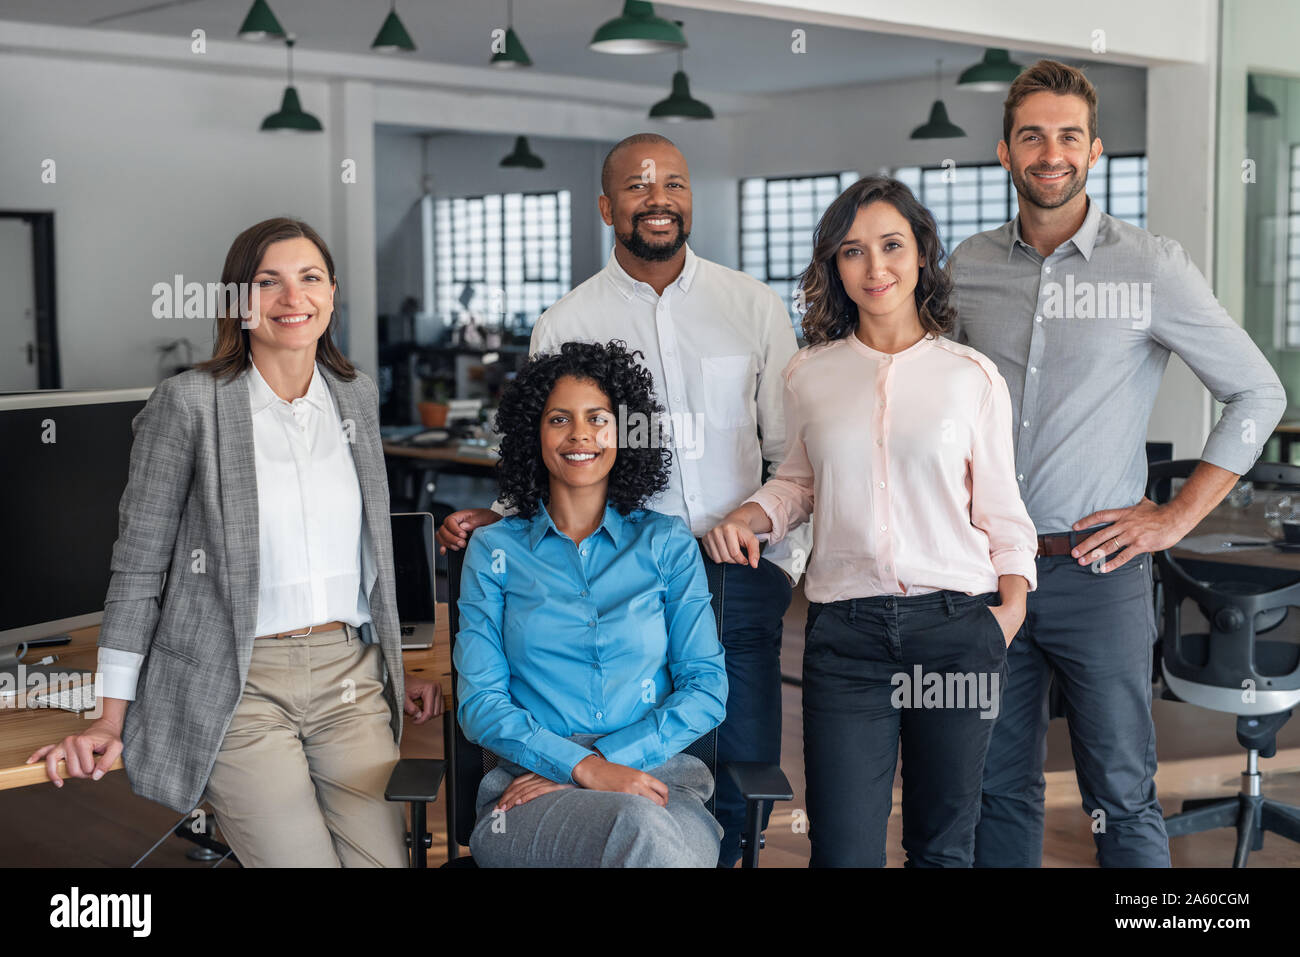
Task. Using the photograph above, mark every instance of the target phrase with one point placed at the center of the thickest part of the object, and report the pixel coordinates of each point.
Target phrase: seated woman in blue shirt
(588, 654)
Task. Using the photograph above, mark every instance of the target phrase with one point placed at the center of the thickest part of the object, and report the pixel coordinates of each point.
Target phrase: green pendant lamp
(392, 36)
(261, 24)
(680, 105)
(638, 30)
(291, 118)
(1257, 104)
(938, 127)
(523, 156)
(514, 55)
(993, 74)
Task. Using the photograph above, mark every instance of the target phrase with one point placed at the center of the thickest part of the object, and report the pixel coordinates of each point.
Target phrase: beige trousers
(299, 780)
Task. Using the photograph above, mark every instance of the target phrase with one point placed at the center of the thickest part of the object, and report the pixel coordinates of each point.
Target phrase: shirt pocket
(727, 390)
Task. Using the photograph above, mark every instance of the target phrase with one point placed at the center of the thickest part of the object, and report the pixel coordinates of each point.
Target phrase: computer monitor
(66, 457)
(413, 566)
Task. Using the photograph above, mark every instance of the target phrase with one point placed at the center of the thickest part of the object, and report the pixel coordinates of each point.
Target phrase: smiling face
(295, 296)
(879, 262)
(1049, 153)
(649, 200)
(579, 441)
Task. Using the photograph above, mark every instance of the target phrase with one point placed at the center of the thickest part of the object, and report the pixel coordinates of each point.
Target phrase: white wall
(157, 171)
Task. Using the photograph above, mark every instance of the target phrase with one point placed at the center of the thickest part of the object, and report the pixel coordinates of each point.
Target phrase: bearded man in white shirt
(715, 341)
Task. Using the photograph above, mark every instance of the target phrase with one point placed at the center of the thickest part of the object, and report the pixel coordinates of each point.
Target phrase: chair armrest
(415, 779)
(760, 782)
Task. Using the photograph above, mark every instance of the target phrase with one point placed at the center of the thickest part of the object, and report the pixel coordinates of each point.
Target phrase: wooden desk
(23, 730)
(438, 454)
(1248, 522)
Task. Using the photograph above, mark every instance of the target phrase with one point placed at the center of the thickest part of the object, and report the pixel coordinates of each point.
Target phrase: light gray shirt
(1082, 338)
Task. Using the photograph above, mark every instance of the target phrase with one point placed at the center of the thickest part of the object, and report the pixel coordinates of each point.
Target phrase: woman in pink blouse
(900, 449)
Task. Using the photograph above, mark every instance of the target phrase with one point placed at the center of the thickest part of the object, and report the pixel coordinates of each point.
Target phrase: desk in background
(414, 470)
(23, 730)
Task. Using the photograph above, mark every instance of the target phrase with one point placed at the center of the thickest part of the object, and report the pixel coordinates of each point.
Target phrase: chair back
(1228, 669)
(468, 763)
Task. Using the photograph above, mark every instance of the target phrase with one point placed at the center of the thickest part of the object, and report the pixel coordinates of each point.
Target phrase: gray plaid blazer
(193, 485)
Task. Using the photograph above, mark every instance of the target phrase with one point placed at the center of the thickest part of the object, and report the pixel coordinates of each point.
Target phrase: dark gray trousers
(1096, 633)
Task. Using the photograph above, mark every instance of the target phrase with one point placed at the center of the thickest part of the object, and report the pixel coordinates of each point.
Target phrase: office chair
(1230, 669)
(468, 763)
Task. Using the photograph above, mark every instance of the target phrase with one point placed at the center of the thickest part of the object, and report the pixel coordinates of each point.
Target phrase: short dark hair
(639, 473)
(1049, 76)
(831, 313)
(636, 139)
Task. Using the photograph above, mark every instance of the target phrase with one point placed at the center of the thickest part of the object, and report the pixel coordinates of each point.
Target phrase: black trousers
(925, 671)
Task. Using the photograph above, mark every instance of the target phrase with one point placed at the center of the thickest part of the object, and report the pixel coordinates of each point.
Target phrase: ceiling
(727, 53)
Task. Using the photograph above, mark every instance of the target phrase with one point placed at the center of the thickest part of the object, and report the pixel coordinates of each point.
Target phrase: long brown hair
(831, 313)
(231, 351)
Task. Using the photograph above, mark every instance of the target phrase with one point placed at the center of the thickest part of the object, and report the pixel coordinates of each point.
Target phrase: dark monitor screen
(65, 468)
(413, 562)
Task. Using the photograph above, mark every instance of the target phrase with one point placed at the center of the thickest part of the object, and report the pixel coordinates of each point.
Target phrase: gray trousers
(575, 827)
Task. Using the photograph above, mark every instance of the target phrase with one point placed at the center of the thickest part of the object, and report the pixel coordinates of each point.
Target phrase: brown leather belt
(313, 629)
(1062, 543)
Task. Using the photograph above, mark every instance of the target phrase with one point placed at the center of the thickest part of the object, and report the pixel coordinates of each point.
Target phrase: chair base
(1250, 814)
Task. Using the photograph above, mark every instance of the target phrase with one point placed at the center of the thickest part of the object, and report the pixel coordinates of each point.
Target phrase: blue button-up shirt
(614, 636)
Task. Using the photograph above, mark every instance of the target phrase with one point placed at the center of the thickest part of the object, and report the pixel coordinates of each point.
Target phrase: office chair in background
(1229, 669)
(468, 763)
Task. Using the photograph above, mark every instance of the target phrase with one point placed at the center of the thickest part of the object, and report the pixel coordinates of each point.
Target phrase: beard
(641, 248)
(1043, 197)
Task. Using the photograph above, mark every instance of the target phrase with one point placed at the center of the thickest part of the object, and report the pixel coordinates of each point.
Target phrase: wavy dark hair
(638, 473)
(831, 313)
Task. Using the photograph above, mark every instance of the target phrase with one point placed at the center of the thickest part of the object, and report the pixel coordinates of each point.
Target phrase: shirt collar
(627, 286)
(263, 395)
(612, 525)
(1084, 238)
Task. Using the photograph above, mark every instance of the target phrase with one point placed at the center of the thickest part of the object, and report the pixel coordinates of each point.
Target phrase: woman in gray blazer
(250, 652)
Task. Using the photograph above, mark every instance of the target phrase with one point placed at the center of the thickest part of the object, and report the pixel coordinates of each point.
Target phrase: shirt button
(887, 358)
(883, 527)
(694, 497)
(1033, 368)
(882, 484)
(887, 568)
(1047, 269)
(1019, 478)
(600, 714)
(584, 551)
(595, 666)
(1038, 318)
(880, 441)
(1024, 423)
(583, 593)
(591, 623)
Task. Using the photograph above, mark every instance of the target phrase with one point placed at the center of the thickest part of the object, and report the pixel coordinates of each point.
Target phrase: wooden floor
(102, 824)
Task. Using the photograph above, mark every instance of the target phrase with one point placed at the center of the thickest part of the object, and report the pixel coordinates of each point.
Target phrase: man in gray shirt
(1080, 312)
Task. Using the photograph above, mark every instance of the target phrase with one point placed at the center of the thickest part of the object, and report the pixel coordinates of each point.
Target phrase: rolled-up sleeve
(487, 713)
(1189, 321)
(996, 507)
(698, 701)
(149, 514)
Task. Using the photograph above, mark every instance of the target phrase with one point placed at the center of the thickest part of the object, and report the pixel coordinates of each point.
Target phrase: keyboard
(79, 699)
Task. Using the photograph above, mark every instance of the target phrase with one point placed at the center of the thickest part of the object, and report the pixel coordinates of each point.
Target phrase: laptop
(413, 562)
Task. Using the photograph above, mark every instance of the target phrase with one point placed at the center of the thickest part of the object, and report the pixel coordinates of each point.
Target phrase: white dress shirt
(716, 343)
(310, 524)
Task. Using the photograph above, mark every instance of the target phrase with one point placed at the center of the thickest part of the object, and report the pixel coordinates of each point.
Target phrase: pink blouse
(905, 463)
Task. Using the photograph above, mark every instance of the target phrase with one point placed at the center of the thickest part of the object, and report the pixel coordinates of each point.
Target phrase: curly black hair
(639, 473)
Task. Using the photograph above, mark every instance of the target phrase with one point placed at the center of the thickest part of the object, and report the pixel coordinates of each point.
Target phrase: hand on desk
(423, 698)
(457, 527)
(104, 738)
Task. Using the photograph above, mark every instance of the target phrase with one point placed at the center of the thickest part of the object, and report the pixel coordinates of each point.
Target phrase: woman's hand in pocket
(1010, 617)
